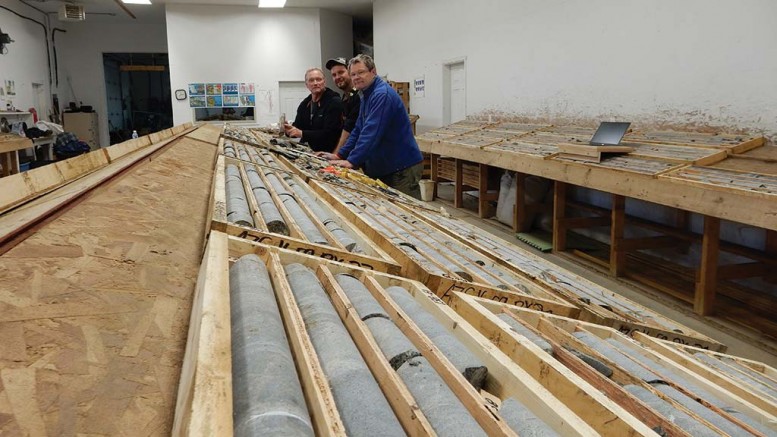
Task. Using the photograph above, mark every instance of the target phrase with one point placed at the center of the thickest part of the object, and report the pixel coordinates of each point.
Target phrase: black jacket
(321, 122)
(351, 109)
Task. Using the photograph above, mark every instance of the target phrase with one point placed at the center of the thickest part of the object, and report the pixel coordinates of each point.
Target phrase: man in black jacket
(339, 69)
(319, 117)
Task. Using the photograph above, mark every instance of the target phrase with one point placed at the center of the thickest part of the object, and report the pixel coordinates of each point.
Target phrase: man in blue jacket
(382, 142)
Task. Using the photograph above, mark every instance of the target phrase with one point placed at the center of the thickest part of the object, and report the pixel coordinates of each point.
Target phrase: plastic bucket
(427, 189)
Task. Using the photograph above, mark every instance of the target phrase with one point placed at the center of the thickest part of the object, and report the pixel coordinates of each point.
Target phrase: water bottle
(134, 134)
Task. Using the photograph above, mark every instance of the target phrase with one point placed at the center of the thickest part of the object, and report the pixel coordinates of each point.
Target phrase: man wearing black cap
(339, 69)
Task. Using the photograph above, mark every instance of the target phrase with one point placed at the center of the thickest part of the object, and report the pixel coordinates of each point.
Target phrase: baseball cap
(336, 61)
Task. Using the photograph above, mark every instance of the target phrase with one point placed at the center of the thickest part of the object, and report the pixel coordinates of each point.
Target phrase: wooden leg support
(483, 198)
(559, 213)
(458, 196)
(519, 211)
(704, 299)
(771, 249)
(617, 252)
(435, 171)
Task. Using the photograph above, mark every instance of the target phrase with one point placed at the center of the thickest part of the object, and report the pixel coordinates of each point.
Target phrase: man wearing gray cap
(339, 69)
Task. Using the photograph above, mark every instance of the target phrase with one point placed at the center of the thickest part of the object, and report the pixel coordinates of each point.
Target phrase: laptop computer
(610, 133)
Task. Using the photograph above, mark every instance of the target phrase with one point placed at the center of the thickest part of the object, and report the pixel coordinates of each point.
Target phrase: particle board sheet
(744, 182)
(734, 142)
(208, 133)
(522, 148)
(677, 153)
(94, 306)
(630, 164)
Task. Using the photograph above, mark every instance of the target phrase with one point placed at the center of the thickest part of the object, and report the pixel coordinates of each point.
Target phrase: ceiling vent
(71, 12)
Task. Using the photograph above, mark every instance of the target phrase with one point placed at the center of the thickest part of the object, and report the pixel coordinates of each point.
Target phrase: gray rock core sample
(266, 393)
(446, 414)
(238, 211)
(454, 350)
(521, 420)
(270, 213)
(362, 405)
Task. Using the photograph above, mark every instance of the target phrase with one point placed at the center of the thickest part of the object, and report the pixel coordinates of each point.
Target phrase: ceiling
(108, 10)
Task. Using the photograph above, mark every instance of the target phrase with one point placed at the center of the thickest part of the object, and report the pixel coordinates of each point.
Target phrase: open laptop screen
(609, 133)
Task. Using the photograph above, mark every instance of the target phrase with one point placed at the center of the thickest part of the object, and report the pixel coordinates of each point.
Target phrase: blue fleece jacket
(382, 141)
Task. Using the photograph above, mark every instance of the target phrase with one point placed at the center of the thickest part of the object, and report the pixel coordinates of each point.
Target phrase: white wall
(25, 63)
(241, 44)
(336, 39)
(695, 63)
(80, 54)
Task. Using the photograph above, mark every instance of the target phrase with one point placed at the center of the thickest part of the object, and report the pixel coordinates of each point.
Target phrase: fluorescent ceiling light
(271, 3)
(136, 2)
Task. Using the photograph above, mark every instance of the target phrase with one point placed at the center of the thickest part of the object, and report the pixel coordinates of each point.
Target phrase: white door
(290, 96)
(458, 93)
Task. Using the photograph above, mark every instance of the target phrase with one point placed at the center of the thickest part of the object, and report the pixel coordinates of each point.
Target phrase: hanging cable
(45, 35)
(54, 45)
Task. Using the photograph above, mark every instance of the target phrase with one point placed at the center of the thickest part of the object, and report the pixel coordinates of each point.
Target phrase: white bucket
(427, 189)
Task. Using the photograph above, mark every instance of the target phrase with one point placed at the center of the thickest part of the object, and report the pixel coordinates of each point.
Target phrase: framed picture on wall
(213, 89)
(230, 88)
(196, 89)
(197, 101)
(246, 88)
(214, 101)
(231, 101)
(247, 100)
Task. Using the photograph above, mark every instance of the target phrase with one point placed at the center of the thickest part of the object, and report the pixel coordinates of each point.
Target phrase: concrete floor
(740, 341)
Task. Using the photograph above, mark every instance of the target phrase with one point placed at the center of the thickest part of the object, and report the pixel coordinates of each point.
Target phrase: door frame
(446, 87)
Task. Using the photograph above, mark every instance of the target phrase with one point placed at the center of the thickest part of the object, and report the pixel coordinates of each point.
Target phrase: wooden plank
(770, 247)
(458, 189)
(618, 222)
(312, 249)
(401, 400)
(741, 271)
(559, 214)
(601, 413)
(704, 296)
(204, 404)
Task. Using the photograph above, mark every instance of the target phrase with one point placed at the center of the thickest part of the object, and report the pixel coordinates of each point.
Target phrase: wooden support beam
(435, 169)
(483, 198)
(559, 213)
(519, 210)
(618, 222)
(771, 251)
(458, 196)
(704, 297)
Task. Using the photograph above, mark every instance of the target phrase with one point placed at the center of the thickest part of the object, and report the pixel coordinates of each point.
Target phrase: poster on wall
(197, 101)
(419, 85)
(247, 100)
(246, 88)
(10, 88)
(196, 89)
(221, 95)
(214, 102)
